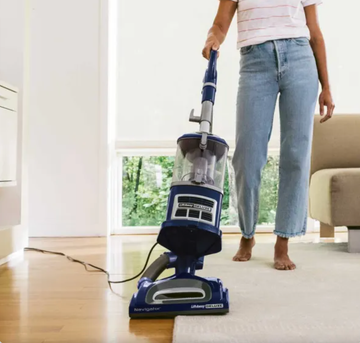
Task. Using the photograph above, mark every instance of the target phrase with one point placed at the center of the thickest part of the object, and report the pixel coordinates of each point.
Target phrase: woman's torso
(260, 21)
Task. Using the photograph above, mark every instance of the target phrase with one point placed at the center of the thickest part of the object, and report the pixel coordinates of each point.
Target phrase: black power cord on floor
(95, 268)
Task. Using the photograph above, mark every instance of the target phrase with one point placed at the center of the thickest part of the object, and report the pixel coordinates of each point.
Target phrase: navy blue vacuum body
(191, 230)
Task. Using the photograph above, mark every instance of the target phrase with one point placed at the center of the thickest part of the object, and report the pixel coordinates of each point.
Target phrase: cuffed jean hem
(248, 236)
(289, 235)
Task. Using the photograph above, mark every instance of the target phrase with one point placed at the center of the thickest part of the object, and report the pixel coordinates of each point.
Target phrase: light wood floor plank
(47, 299)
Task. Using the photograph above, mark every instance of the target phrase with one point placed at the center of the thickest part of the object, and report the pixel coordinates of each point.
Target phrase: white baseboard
(8, 184)
(15, 255)
(143, 230)
(154, 230)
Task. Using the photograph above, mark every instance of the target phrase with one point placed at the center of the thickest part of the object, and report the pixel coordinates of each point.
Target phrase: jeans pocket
(246, 49)
(302, 41)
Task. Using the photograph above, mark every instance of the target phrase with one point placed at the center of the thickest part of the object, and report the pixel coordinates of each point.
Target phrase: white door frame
(107, 125)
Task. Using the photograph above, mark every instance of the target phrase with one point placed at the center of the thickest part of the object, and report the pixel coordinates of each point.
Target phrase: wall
(343, 52)
(67, 119)
(13, 237)
(161, 71)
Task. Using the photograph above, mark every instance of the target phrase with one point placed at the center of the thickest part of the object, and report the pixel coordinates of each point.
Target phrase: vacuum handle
(208, 100)
(157, 267)
(212, 64)
(210, 80)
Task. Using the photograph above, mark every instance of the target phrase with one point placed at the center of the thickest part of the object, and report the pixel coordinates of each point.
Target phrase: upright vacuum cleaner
(192, 227)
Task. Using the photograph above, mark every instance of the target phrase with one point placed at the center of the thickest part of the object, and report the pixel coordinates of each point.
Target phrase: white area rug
(317, 303)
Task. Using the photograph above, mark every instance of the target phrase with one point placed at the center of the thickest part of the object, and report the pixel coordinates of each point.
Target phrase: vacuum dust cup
(201, 167)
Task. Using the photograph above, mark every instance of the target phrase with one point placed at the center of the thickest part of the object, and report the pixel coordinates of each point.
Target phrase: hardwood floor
(47, 299)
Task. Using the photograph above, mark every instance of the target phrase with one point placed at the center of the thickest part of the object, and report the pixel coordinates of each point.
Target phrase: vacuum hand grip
(212, 63)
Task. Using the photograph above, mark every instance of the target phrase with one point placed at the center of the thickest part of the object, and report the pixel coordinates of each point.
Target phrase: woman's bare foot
(281, 259)
(245, 249)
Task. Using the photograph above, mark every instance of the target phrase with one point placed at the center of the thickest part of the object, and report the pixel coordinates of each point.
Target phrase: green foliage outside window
(146, 184)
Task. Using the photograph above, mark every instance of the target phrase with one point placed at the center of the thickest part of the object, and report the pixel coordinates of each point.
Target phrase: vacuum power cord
(96, 268)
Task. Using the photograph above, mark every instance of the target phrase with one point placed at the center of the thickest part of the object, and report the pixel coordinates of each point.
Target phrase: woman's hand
(212, 43)
(326, 100)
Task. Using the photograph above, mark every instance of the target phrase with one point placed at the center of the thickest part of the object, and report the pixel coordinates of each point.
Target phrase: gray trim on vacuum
(203, 287)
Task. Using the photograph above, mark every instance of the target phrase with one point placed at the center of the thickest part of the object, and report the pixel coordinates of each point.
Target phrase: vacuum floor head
(185, 294)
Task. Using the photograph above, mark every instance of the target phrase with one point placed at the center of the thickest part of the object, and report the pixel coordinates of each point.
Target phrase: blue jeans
(286, 67)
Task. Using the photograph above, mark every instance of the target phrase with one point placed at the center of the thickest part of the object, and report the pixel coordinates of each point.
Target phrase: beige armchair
(334, 197)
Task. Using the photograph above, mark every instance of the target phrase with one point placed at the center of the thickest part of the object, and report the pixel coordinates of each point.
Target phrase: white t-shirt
(263, 20)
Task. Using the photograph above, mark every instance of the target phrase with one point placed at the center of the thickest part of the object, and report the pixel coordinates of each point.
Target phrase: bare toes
(245, 258)
(284, 266)
(279, 266)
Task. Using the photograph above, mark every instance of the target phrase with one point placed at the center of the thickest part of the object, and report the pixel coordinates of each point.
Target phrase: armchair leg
(327, 231)
(354, 240)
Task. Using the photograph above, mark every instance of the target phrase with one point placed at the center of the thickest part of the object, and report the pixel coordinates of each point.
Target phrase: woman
(282, 53)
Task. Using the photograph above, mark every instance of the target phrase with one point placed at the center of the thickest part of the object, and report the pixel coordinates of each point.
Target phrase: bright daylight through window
(146, 183)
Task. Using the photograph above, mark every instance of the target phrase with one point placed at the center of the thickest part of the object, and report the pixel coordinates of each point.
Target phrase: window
(146, 182)
(145, 186)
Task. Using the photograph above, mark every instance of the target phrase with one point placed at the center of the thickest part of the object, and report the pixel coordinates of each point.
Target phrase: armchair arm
(336, 143)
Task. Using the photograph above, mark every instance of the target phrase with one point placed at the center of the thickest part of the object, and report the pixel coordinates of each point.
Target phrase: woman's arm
(318, 45)
(219, 30)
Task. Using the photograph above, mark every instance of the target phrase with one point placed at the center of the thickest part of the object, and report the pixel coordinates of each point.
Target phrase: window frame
(159, 149)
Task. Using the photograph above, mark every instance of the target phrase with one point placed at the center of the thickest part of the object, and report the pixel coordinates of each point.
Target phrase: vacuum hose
(157, 267)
